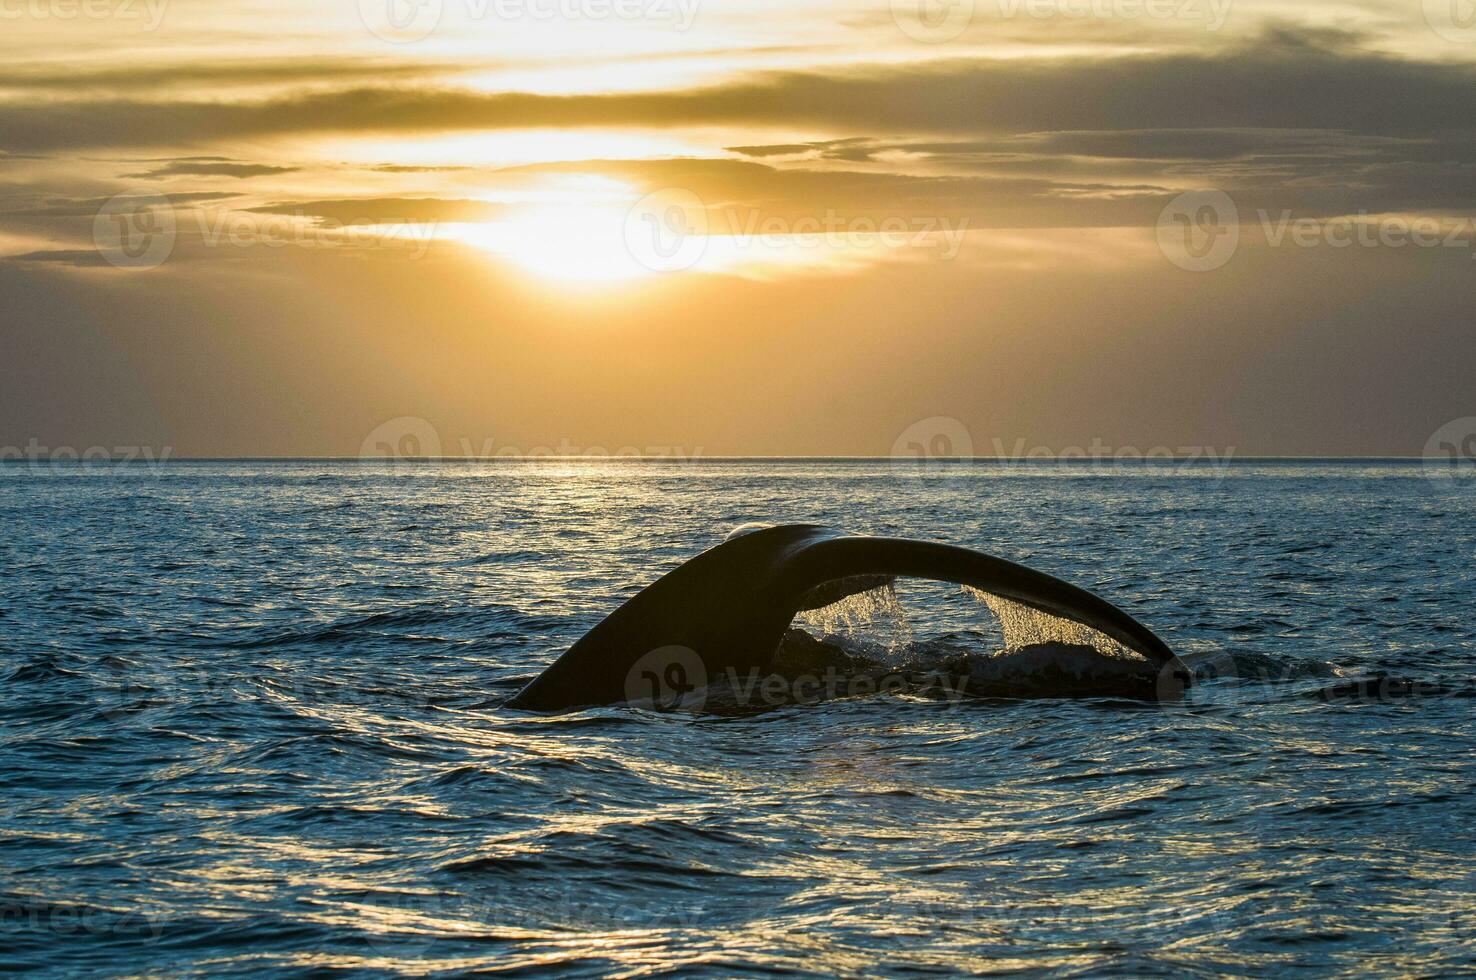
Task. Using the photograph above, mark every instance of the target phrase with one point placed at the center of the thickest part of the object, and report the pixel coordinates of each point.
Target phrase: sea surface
(252, 721)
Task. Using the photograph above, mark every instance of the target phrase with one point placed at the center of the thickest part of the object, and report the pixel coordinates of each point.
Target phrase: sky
(706, 228)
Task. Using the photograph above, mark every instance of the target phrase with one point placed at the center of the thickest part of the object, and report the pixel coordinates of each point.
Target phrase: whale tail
(729, 608)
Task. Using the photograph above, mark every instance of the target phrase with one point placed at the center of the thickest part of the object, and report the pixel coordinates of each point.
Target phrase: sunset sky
(255, 227)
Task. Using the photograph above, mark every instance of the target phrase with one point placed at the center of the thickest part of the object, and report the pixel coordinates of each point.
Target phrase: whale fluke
(729, 607)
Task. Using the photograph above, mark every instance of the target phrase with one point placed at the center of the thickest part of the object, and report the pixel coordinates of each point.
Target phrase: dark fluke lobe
(728, 608)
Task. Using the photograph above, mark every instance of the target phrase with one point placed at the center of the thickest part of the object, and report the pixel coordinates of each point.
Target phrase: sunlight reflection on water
(253, 721)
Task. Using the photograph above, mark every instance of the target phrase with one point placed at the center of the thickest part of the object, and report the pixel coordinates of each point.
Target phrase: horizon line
(697, 458)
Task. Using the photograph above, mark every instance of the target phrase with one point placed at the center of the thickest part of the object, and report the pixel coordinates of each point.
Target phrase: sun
(603, 233)
(568, 243)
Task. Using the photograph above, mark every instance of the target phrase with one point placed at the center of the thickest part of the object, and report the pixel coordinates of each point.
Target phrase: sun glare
(598, 246)
(572, 244)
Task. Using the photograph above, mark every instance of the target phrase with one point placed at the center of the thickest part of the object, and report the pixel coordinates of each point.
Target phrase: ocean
(253, 722)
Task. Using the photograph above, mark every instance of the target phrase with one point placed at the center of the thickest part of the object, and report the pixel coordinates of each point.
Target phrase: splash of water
(1024, 626)
(875, 624)
(875, 621)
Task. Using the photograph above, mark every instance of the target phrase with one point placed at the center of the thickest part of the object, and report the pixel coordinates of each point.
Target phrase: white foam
(1026, 627)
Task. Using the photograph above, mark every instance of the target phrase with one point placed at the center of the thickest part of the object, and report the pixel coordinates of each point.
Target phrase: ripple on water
(253, 722)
